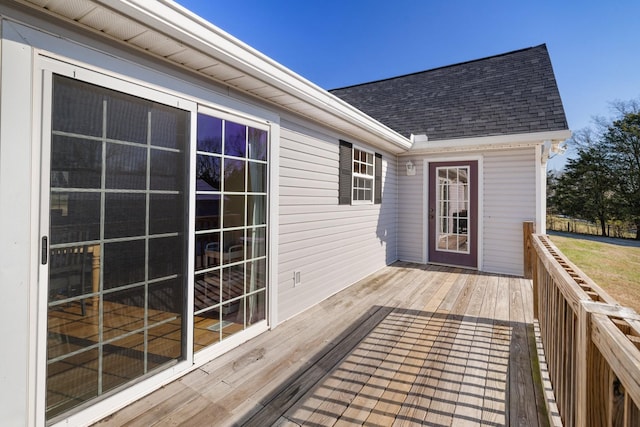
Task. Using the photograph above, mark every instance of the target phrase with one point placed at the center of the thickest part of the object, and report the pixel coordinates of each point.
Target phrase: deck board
(409, 345)
(414, 410)
(469, 403)
(493, 408)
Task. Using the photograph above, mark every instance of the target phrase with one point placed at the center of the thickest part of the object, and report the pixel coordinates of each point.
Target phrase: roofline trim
(174, 20)
(494, 142)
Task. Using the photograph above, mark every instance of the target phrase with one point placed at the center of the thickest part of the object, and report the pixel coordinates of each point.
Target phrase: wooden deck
(409, 345)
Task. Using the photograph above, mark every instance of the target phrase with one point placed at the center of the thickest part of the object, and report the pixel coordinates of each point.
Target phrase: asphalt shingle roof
(512, 93)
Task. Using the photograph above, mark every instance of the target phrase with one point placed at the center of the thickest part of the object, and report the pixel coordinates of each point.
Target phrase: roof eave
(494, 142)
(232, 60)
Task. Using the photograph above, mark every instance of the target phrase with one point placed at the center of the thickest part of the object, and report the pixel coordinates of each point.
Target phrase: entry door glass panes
(231, 229)
(452, 209)
(117, 232)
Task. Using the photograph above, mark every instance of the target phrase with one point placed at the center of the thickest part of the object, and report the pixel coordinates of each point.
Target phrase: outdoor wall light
(411, 168)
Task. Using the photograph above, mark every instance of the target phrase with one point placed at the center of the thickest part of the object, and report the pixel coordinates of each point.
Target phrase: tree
(584, 190)
(603, 182)
(552, 184)
(622, 140)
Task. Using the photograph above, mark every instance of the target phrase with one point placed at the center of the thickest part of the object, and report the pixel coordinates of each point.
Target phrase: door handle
(44, 255)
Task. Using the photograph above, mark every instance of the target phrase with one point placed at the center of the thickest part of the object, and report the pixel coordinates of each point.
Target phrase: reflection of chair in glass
(231, 253)
(232, 278)
(67, 273)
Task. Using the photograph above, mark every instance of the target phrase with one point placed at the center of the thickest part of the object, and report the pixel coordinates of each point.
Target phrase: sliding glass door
(155, 242)
(116, 243)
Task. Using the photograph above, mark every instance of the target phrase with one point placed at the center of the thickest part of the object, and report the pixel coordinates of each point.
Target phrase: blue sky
(594, 45)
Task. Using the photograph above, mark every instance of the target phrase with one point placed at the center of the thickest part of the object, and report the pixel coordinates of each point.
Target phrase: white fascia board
(193, 31)
(497, 142)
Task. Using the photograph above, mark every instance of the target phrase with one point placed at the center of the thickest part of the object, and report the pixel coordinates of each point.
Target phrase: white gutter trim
(496, 142)
(186, 27)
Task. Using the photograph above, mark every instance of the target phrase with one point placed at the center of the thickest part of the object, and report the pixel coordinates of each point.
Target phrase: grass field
(614, 267)
(557, 223)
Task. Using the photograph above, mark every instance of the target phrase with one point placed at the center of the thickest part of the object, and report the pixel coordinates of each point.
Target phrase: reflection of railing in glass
(68, 274)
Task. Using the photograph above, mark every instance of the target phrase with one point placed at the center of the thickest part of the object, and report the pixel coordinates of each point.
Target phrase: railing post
(95, 274)
(528, 228)
(584, 361)
(594, 379)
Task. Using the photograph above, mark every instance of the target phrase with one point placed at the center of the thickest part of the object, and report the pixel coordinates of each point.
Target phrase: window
(360, 179)
(452, 198)
(362, 176)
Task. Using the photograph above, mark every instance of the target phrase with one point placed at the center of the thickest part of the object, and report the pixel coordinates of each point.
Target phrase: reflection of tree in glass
(126, 159)
(235, 146)
(208, 170)
(210, 144)
(75, 162)
(234, 175)
(209, 134)
(126, 166)
(235, 139)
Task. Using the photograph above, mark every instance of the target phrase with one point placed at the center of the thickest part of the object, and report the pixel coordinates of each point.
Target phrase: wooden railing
(591, 343)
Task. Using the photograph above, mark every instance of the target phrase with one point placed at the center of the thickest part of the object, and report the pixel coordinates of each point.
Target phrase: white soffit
(169, 31)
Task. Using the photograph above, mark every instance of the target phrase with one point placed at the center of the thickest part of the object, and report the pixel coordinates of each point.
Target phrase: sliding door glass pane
(257, 144)
(235, 139)
(209, 134)
(234, 175)
(231, 229)
(75, 162)
(126, 167)
(74, 215)
(117, 233)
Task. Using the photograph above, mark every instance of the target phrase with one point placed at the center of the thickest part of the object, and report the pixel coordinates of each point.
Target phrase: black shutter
(377, 182)
(344, 178)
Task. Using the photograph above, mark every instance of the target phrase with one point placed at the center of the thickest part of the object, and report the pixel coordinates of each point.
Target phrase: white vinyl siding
(331, 245)
(410, 211)
(509, 199)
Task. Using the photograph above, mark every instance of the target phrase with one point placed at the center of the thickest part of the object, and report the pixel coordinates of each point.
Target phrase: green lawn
(615, 268)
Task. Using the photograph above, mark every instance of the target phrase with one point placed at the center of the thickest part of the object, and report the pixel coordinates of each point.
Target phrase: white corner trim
(425, 211)
(273, 224)
(542, 155)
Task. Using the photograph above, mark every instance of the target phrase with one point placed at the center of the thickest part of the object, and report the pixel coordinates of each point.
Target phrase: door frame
(425, 202)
